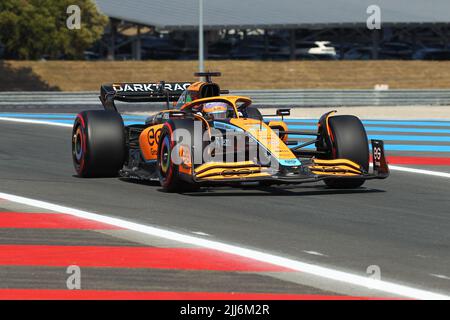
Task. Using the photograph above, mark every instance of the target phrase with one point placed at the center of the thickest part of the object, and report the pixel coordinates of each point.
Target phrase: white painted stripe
(308, 268)
(49, 123)
(199, 233)
(440, 276)
(421, 171)
(315, 253)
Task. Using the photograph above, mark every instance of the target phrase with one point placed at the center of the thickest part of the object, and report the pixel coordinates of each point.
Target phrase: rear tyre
(98, 143)
(349, 141)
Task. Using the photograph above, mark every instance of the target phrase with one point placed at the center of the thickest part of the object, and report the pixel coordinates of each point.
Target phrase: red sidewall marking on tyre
(83, 145)
(169, 175)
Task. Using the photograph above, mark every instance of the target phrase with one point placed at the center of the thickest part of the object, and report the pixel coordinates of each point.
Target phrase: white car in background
(322, 49)
(314, 50)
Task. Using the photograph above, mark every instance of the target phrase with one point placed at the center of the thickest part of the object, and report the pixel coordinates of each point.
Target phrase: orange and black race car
(205, 137)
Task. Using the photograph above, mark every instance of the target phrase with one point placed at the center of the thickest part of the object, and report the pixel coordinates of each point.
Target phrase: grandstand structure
(277, 30)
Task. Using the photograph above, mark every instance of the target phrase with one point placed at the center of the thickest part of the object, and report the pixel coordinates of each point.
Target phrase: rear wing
(141, 92)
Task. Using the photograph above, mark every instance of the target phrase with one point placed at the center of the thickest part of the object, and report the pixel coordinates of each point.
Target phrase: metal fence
(293, 98)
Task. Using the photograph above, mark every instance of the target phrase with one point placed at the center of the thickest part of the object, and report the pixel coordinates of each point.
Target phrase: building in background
(275, 30)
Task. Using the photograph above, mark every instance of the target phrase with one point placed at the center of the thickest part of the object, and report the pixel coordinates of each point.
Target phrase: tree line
(32, 29)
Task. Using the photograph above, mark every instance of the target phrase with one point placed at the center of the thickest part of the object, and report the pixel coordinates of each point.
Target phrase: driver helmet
(216, 110)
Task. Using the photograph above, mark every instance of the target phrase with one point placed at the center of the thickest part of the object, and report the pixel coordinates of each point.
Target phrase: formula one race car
(205, 137)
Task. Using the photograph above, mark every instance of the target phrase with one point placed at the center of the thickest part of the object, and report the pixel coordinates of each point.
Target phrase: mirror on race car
(279, 113)
(283, 112)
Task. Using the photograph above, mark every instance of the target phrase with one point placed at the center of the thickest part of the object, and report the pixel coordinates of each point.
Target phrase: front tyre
(98, 143)
(349, 141)
(168, 172)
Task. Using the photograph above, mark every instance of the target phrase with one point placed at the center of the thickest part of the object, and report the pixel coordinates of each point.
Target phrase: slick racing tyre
(349, 142)
(98, 143)
(168, 172)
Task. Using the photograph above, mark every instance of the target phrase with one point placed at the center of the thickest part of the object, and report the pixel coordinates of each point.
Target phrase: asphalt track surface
(400, 225)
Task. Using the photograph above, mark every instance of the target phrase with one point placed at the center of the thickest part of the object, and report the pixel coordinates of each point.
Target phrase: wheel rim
(165, 156)
(77, 145)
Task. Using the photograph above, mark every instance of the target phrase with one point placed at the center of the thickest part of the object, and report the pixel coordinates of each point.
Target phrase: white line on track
(328, 273)
(199, 233)
(49, 123)
(420, 171)
(440, 276)
(315, 253)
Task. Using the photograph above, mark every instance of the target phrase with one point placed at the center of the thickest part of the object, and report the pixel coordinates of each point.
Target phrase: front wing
(311, 170)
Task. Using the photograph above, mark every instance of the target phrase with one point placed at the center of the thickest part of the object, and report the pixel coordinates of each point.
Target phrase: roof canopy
(183, 14)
